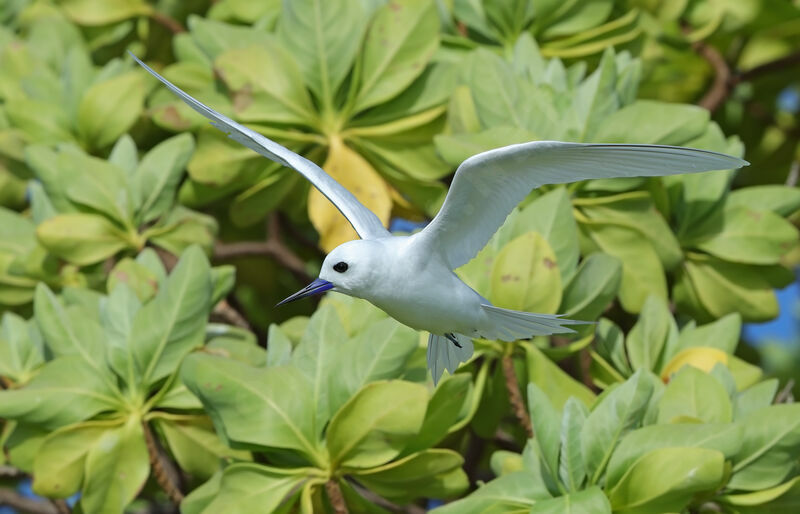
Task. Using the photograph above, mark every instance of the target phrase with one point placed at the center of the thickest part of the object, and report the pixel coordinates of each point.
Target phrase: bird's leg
(452, 339)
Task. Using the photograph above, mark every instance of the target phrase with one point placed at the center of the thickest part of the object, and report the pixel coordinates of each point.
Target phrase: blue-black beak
(315, 287)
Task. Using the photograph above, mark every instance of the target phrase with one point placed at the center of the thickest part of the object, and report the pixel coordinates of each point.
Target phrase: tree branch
(722, 84)
(515, 395)
(225, 312)
(165, 474)
(785, 395)
(335, 496)
(273, 247)
(16, 501)
(168, 22)
(768, 67)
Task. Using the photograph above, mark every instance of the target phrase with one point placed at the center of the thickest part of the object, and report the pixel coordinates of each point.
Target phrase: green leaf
(61, 459)
(375, 425)
(754, 398)
(434, 473)
(571, 468)
(595, 99)
(81, 239)
(722, 334)
(616, 414)
(214, 37)
(116, 469)
(124, 154)
(109, 108)
(592, 288)
(65, 391)
(780, 499)
(195, 446)
(456, 148)
(21, 348)
(649, 335)
(748, 236)
(551, 216)
(589, 501)
(181, 229)
(510, 493)
(137, 277)
(555, 382)
(41, 121)
(654, 122)
(279, 347)
(781, 200)
(102, 12)
(400, 41)
(255, 488)
(725, 438)
(444, 410)
(157, 176)
(324, 37)
(693, 394)
(96, 184)
(665, 480)
(249, 405)
(17, 233)
(546, 427)
(173, 323)
(525, 276)
(769, 450)
(642, 272)
(266, 84)
(117, 316)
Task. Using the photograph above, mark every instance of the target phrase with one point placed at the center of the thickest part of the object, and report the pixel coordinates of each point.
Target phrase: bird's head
(350, 268)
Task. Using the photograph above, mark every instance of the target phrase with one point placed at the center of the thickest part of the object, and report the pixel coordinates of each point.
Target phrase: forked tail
(511, 325)
(443, 354)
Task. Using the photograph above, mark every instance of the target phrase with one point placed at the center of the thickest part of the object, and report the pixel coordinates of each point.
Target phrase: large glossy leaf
(65, 390)
(434, 473)
(21, 348)
(754, 398)
(323, 36)
(157, 176)
(781, 200)
(546, 428)
(551, 216)
(60, 463)
(374, 426)
(571, 467)
(769, 450)
(401, 39)
(654, 122)
(588, 501)
(109, 108)
(444, 410)
(781, 499)
(195, 446)
(81, 238)
(169, 326)
(116, 469)
(595, 99)
(650, 334)
(254, 488)
(693, 395)
(510, 493)
(525, 276)
(266, 85)
(722, 334)
(723, 437)
(665, 480)
(249, 405)
(592, 288)
(617, 413)
(554, 381)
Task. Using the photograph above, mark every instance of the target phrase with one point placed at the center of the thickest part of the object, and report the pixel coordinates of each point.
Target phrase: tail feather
(444, 355)
(511, 325)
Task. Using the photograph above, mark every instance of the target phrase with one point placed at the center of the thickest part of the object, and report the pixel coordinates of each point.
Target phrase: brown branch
(61, 506)
(273, 247)
(794, 174)
(785, 395)
(10, 472)
(335, 496)
(722, 84)
(168, 22)
(16, 501)
(768, 67)
(382, 502)
(515, 395)
(225, 312)
(165, 474)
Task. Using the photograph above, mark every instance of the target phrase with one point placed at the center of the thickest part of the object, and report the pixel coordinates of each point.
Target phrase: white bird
(411, 277)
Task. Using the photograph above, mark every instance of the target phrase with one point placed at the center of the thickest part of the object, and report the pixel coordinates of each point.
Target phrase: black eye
(341, 267)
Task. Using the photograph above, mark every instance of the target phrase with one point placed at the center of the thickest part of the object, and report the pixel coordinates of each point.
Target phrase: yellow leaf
(360, 178)
(701, 357)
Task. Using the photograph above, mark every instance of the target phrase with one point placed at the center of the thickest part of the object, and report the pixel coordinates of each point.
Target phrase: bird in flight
(411, 278)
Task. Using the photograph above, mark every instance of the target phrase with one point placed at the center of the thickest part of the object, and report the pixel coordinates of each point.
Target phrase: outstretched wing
(364, 221)
(488, 186)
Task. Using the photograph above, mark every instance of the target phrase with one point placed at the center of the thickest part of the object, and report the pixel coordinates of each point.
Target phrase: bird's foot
(452, 339)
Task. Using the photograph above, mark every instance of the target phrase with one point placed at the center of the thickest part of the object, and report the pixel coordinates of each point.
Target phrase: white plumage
(411, 278)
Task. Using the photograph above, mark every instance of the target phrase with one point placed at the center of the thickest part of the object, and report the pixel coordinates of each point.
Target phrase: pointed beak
(315, 287)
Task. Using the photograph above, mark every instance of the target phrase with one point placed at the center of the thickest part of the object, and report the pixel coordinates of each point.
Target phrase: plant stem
(515, 395)
(16, 501)
(335, 496)
(165, 475)
(224, 311)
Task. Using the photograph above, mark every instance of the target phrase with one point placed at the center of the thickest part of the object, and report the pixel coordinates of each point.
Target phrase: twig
(722, 84)
(768, 67)
(380, 501)
(794, 172)
(168, 22)
(515, 396)
(61, 506)
(785, 396)
(225, 312)
(16, 501)
(165, 474)
(10, 472)
(335, 496)
(273, 247)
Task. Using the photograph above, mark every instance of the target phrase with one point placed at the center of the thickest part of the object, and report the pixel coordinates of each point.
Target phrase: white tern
(411, 277)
